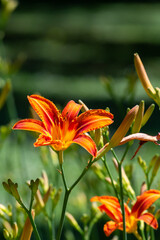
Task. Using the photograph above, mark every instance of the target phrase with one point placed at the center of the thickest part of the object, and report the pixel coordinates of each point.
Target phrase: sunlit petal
(30, 125)
(110, 205)
(149, 219)
(71, 110)
(93, 119)
(87, 143)
(45, 109)
(110, 227)
(144, 201)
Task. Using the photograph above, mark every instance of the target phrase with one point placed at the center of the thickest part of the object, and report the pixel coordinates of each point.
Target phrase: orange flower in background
(60, 130)
(110, 205)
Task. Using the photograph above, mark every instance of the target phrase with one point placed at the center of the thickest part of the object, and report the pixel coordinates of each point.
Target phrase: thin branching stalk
(32, 222)
(110, 175)
(68, 191)
(121, 193)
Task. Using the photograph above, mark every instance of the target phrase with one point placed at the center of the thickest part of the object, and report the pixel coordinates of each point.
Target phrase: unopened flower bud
(157, 214)
(44, 181)
(152, 92)
(143, 188)
(142, 163)
(15, 230)
(152, 162)
(155, 169)
(98, 136)
(73, 222)
(148, 114)
(11, 188)
(110, 182)
(143, 75)
(6, 234)
(56, 196)
(5, 210)
(85, 217)
(4, 93)
(124, 127)
(120, 132)
(34, 186)
(39, 202)
(138, 120)
(97, 169)
(27, 230)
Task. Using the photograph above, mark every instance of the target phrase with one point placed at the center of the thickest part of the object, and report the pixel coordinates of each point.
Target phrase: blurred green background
(75, 51)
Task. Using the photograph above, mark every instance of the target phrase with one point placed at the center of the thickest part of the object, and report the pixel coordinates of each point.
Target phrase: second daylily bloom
(60, 130)
(111, 206)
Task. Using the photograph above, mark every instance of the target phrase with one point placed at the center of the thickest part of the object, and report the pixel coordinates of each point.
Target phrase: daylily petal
(71, 110)
(45, 109)
(110, 205)
(149, 219)
(30, 125)
(110, 227)
(93, 119)
(144, 201)
(43, 140)
(87, 143)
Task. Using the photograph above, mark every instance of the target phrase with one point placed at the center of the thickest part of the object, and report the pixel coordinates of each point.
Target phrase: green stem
(110, 175)
(152, 233)
(66, 196)
(67, 192)
(32, 222)
(121, 194)
(82, 174)
(143, 235)
(126, 150)
(92, 223)
(34, 226)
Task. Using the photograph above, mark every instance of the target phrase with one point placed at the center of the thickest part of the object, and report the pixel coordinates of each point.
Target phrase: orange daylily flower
(60, 130)
(111, 206)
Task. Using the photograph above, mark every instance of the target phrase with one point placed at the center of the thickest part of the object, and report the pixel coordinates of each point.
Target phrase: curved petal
(149, 219)
(30, 125)
(45, 109)
(110, 205)
(43, 140)
(93, 119)
(110, 227)
(87, 143)
(144, 201)
(71, 110)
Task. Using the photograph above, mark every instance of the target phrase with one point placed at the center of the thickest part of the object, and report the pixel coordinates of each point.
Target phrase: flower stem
(34, 226)
(32, 221)
(68, 191)
(110, 175)
(121, 194)
(66, 196)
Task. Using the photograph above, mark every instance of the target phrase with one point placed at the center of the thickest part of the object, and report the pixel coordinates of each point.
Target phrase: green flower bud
(142, 163)
(147, 114)
(73, 222)
(138, 120)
